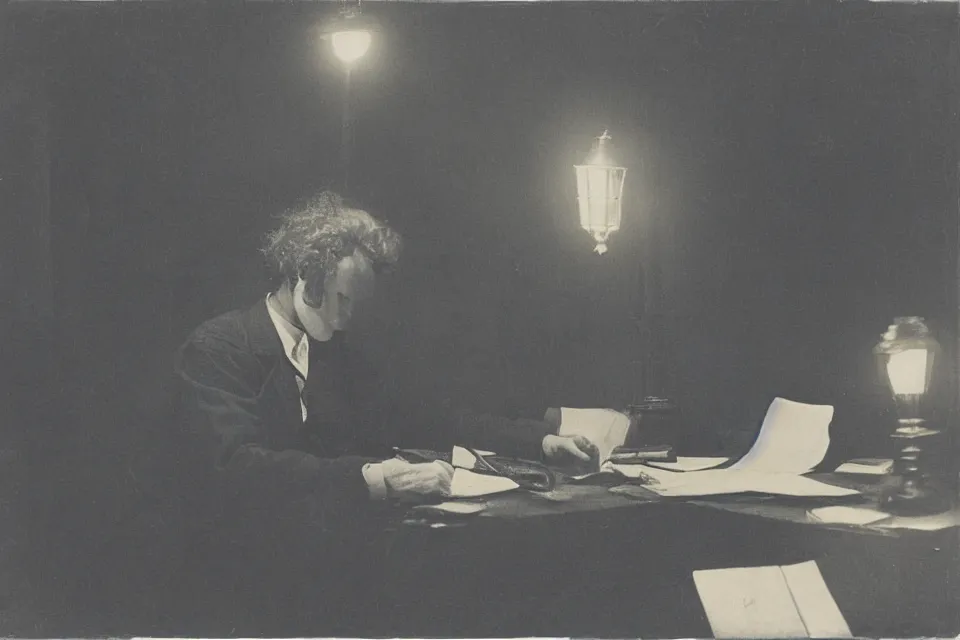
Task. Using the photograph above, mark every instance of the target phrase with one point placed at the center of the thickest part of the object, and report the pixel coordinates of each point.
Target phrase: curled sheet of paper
(464, 459)
(793, 439)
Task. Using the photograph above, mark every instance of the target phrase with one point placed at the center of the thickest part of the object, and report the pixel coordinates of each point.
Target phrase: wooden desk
(585, 562)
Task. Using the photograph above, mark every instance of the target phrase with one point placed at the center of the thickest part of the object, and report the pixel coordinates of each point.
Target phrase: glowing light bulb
(350, 46)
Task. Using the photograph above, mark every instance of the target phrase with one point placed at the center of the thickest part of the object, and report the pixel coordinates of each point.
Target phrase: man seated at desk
(292, 438)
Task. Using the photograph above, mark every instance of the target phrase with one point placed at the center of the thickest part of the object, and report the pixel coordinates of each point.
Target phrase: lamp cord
(346, 132)
(640, 319)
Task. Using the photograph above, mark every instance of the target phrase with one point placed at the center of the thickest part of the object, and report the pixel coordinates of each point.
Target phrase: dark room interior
(792, 187)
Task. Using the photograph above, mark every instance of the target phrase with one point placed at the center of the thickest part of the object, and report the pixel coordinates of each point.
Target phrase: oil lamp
(906, 358)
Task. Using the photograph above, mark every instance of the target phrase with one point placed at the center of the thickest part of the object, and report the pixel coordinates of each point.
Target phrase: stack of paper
(770, 602)
(867, 466)
(605, 428)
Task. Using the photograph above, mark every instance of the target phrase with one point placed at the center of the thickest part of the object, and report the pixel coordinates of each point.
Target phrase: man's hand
(417, 482)
(571, 450)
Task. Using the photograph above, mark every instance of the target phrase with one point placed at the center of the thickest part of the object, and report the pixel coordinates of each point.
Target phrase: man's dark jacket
(284, 500)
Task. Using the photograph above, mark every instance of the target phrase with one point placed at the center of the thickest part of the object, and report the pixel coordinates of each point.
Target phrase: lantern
(906, 358)
(350, 34)
(599, 193)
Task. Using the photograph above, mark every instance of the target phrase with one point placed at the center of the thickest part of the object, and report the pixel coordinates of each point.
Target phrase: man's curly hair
(315, 235)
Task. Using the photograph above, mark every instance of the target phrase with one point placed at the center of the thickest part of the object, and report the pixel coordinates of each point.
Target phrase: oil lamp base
(913, 498)
(915, 494)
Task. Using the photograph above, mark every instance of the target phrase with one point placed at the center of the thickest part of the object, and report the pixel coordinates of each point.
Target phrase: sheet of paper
(689, 464)
(872, 466)
(935, 522)
(727, 481)
(750, 602)
(818, 610)
(605, 428)
(794, 438)
(464, 459)
(847, 515)
(467, 484)
(642, 471)
(770, 602)
(459, 508)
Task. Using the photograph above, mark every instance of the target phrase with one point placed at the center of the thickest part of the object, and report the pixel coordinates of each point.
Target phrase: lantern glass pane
(599, 191)
(582, 197)
(907, 371)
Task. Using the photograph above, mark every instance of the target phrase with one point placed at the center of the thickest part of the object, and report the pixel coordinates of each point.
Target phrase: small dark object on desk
(600, 479)
(655, 420)
(529, 475)
(639, 455)
(417, 456)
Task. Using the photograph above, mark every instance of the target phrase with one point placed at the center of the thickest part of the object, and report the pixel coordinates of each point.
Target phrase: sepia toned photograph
(463, 319)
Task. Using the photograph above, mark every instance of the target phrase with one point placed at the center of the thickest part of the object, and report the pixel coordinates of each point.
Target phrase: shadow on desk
(627, 572)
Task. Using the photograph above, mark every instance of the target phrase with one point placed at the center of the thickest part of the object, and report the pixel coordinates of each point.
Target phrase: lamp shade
(906, 356)
(599, 193)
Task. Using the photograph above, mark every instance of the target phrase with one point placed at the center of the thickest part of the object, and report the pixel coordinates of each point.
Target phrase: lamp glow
(599, 193)
(907, 372)
(906, 357)
(350, 46)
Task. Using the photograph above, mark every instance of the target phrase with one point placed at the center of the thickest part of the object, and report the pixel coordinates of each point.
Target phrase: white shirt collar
(295, 343)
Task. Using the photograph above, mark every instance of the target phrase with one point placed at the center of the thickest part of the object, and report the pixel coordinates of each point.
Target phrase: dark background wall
(792, 174)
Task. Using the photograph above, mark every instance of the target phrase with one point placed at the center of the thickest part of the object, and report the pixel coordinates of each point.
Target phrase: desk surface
(585, 562)
(568, 498)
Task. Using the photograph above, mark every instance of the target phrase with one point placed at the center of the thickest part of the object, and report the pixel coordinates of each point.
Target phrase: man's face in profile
(351, 283)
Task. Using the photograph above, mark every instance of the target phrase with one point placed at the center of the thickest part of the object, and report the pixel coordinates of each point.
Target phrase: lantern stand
(651, 401)
(906, 358)
(600, 183)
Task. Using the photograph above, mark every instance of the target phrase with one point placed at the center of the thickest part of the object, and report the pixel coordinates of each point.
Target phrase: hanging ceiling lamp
(599, 193)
